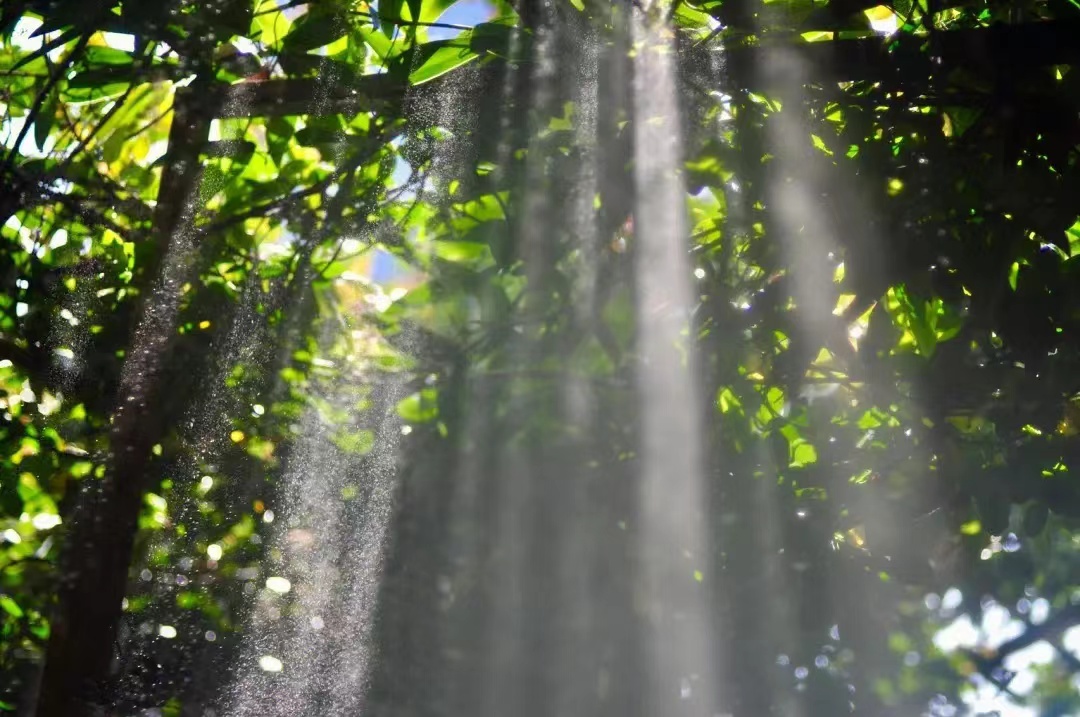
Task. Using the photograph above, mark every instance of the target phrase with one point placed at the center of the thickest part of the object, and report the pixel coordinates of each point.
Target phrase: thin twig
(278, 8)
(164, 113)
(409, 23)
(71, 203)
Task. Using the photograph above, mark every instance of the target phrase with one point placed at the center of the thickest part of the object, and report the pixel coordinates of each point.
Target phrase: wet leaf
(10, 606)
(316, 29)
(421, 407)
(438, 58)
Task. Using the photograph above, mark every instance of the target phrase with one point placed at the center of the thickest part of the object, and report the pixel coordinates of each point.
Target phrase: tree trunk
(94, 569)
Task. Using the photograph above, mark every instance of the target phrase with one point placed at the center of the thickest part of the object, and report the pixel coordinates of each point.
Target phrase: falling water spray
(674, 549)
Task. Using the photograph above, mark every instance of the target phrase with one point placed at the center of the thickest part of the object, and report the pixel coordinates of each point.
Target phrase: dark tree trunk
(102, 532)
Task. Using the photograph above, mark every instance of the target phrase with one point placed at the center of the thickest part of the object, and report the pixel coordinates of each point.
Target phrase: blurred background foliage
(336, 183)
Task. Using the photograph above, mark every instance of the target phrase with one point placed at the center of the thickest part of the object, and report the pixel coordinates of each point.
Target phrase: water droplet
(269, 663)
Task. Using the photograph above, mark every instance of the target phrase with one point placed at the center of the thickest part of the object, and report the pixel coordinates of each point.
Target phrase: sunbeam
(439, 358)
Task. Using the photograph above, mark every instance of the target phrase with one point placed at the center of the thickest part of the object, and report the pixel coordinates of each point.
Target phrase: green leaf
(441, 57)
(776, 399)
(377, 40)
(355, 442)
(415, 8)
(727, 401)
(803, 454)
(107, 56)
(390, 9)
(1014, 272)
(492, 37)
(921, 321)
(212, 181)
(11, 607)
(958, 120)
(99, 78)
(820, 144)
(432, 10)
(421, 407)
(315, 30)
(269, 26)
(463, 251)
(43, 123)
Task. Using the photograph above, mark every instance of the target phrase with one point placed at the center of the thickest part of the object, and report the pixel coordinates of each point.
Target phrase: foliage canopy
(230, 226)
